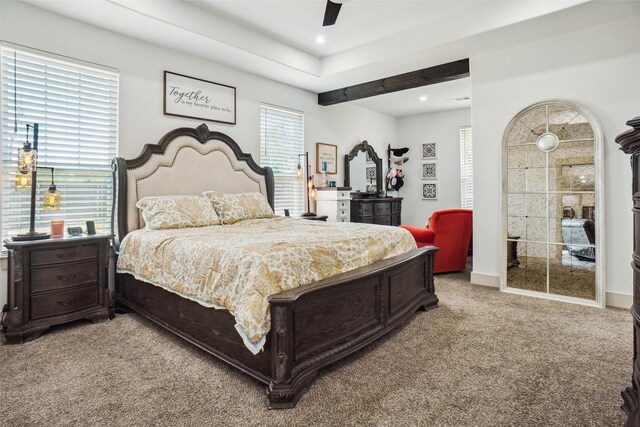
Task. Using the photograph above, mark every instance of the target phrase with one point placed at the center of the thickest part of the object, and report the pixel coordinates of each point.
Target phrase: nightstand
(56, 281)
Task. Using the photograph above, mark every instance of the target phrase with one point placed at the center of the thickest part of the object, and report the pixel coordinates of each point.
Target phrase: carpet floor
(483, 358)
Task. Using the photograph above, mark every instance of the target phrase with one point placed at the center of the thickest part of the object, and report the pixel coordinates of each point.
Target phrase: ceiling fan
(331, 12)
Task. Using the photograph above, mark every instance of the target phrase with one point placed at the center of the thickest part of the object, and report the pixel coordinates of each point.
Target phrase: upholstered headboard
(185, 161)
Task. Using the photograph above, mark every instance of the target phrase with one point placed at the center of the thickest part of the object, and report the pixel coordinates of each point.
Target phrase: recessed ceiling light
(423, 98)
(320, 39)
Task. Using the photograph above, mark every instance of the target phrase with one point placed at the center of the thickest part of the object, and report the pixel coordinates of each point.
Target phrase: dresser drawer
(343, 204)
(343, 195)
(340, 219)
(382, 208)
(63, 276)
(383, 220)
(63, 302)
(57, 256)
(366, 209)
(344, 213)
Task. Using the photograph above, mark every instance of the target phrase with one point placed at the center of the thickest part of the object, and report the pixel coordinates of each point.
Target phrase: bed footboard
(317, 324)
(311, 326)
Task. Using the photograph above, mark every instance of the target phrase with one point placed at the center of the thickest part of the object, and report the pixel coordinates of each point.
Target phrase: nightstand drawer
(63, 276)
(56, 256)
(53, 304)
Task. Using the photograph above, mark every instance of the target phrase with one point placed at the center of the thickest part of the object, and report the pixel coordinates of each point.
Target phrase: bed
(311, 325)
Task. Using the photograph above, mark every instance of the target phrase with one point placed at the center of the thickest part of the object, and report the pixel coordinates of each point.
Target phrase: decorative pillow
(163, 212)
(234, 207)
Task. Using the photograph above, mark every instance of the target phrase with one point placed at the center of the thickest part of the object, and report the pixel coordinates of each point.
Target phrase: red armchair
(450, 230)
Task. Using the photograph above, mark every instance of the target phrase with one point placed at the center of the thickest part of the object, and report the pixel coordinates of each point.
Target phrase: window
(281, 140)
(76, 107)
(466, 168)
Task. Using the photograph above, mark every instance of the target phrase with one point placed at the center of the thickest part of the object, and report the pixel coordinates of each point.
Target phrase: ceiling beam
(427, 76)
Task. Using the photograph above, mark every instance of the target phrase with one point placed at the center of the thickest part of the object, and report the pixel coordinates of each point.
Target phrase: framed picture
(371, 173)
(430, 191)
(368, 157)
(327, 153)
(429, 170)
(429, 151)
(194, 98)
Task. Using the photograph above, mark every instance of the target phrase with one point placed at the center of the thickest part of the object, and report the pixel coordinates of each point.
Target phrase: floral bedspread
(237, 267)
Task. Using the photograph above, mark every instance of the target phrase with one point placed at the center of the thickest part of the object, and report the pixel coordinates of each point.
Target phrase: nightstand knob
(66, 256)
(73, 301)
(66, 276)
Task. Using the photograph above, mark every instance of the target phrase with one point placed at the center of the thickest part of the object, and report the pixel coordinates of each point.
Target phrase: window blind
(466, 168)
(281, 140)
(76, 107)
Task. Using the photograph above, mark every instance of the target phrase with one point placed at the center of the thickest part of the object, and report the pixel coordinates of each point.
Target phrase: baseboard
(490, 280)
(614, 299)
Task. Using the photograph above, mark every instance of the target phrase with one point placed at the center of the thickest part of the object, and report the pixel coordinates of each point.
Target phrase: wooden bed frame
(312, 326)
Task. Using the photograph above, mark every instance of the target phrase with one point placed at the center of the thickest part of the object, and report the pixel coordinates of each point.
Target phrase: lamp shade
(26, 159)
(52, 199)
(23, 181)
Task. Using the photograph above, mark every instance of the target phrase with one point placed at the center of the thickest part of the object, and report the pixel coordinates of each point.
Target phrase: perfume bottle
(323, 170)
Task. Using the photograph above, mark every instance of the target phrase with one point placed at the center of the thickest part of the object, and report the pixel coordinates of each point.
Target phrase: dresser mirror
(552, 225)
(363, 170)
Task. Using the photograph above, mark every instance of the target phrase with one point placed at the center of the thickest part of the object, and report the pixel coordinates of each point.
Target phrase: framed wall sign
(327, 153)
(429, 170)
(194, 98)
(430, 191)
(429, 151)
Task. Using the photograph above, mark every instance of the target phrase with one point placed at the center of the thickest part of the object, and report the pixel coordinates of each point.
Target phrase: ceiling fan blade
(331, 13)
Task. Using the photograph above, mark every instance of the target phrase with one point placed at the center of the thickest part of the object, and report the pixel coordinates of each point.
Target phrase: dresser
(55, 281)
(334, 203)
(383, 210)
(630, 144)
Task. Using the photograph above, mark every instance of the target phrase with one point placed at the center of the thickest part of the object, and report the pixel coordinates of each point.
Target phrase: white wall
(597, 67)
(141, 67)
(441, 127)
(347, 125)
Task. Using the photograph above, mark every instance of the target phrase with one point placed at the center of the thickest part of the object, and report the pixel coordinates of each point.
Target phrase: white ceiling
(360, 22)
(371, 39)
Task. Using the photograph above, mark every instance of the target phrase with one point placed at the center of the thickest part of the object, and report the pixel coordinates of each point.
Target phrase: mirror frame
(363, 146)
(598, 139)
